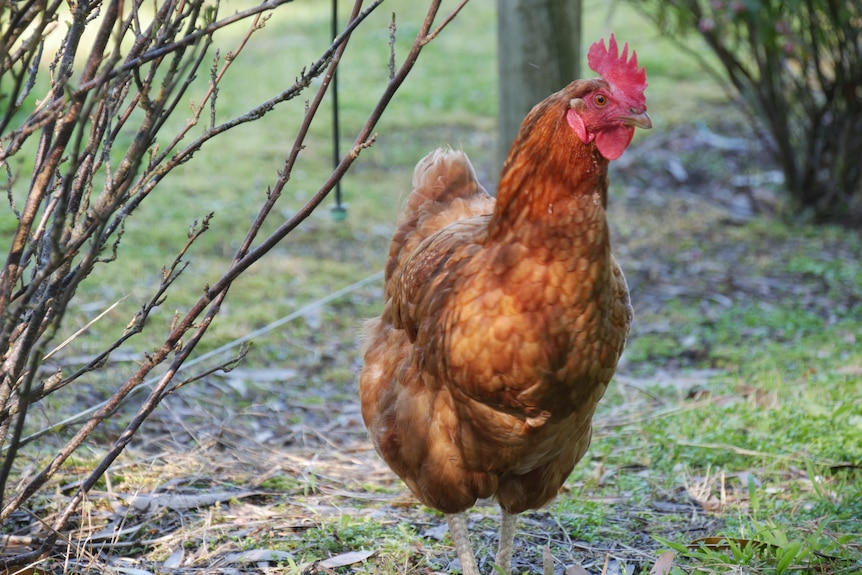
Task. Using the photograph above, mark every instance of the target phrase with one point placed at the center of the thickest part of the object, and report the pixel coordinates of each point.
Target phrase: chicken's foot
(507, 538)
(547, 560)
(458, 530)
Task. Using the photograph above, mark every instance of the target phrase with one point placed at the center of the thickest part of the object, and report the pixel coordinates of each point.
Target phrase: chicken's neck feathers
(542, 188)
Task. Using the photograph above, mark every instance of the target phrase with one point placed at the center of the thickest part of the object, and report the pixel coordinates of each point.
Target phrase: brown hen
(504, 320)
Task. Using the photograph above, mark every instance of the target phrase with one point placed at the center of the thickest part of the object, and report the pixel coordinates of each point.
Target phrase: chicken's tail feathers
(442, 174)
(445, 189)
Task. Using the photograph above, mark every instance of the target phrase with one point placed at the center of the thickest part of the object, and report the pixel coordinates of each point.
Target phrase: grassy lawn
(733, 432)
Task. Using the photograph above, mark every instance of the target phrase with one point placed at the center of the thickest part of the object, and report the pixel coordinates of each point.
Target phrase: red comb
(613, 67)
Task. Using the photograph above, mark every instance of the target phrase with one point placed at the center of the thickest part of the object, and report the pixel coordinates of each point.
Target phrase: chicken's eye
(600, 99)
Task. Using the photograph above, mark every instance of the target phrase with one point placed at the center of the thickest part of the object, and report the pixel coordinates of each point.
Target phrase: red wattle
(612, 143)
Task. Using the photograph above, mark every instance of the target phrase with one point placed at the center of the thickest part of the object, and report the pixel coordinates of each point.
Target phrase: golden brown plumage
(503, 320)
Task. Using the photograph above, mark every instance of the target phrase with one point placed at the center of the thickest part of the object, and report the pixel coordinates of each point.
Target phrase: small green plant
(281, 483)
(767, 548)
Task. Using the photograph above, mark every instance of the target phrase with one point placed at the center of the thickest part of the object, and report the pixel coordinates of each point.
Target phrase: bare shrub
(135, 74)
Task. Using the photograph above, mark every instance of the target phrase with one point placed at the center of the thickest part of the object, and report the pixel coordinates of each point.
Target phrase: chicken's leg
(507, 538)
(458, 531)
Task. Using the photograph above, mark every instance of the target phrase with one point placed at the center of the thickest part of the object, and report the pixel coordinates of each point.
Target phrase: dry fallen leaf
(181, 502)
(133, 571)
(258, 556)
(663, 564)
(174, 560)
(849, 370)
(576, 570)
(343, 559)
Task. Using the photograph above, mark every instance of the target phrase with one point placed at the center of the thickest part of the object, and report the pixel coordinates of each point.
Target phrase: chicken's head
(610, 112)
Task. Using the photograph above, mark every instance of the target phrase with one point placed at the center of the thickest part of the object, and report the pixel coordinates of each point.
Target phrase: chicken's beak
(638, 120)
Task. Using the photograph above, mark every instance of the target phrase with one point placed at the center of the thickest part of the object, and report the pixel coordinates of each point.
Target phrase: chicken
(504, 319)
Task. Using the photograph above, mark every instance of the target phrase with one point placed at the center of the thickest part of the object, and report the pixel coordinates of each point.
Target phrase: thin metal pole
(339, 210)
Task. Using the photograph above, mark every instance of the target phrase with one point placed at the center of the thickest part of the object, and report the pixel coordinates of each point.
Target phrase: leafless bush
(797, 67)
(82, 188)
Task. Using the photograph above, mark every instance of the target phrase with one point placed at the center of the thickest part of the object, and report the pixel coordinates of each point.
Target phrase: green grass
(745, 417)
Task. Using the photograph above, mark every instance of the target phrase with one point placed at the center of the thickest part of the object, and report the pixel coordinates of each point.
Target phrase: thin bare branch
(68, 223)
